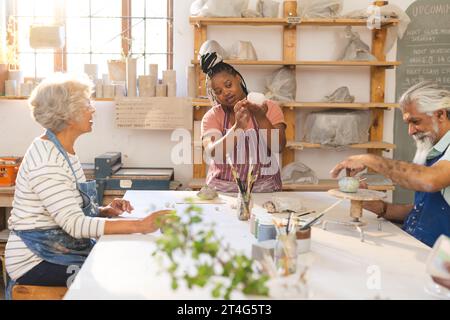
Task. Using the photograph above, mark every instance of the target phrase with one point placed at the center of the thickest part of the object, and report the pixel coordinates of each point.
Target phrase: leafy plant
(211, 261)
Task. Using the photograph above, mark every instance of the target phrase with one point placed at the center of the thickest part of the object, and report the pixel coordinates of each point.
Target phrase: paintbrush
(288, 222)
(313, 221)
(236, 177)
(306, 226)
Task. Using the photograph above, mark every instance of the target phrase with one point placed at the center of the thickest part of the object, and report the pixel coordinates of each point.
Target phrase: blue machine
(110, 175)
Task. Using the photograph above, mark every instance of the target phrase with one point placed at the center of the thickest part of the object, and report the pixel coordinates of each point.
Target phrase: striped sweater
(46, 197)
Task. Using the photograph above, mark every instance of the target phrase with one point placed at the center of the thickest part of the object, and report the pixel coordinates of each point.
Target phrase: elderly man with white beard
(426, 110)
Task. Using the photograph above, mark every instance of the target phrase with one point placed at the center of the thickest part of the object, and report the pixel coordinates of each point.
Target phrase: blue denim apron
(430, 216)
(55, 245)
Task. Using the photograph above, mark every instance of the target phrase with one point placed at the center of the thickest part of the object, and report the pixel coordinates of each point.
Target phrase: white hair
(58, 99)
(427, 97)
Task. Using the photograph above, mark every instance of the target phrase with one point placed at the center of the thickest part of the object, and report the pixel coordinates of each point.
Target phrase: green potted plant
(215, 263)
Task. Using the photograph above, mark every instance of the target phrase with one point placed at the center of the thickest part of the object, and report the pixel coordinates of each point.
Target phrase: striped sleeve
(53, 186)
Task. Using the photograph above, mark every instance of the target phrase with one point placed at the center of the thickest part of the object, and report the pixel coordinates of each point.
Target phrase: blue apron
(430, 216)
(55, 245)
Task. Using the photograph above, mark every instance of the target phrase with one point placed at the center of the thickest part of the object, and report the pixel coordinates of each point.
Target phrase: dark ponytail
(212, 64)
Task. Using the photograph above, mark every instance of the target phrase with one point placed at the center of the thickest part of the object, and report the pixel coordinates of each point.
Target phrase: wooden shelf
(380, 64)
(25, 98)
(13, 98)
(322, 186)
(369, 145)
(307, 105)
(285, 22)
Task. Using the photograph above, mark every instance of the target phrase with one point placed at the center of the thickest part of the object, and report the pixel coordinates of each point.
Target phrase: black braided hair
(212, 63)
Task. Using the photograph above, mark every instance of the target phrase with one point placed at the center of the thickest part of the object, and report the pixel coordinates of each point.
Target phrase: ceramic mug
(303, 240)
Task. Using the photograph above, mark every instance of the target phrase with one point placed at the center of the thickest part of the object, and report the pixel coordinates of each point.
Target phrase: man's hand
(443, 282)
(116, 208)
(353, 165)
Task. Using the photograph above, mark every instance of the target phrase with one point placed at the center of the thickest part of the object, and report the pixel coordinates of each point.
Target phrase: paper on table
(200, 201)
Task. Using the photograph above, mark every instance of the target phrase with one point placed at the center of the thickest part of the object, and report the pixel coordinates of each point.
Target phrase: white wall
(152, 148)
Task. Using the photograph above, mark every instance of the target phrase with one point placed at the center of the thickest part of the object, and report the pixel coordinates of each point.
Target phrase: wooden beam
(200, 36)
(126, 27)
(170, 34)
(60, 55)
(290, 56)
(377, 83)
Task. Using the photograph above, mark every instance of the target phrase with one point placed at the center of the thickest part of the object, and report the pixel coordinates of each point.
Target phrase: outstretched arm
(391, 212)
(408, 175)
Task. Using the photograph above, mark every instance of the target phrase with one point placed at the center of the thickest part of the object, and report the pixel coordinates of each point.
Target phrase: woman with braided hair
(238, 131)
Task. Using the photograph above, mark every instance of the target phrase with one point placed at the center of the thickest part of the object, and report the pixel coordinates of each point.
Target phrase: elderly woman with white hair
(426, 110)
(54, 219)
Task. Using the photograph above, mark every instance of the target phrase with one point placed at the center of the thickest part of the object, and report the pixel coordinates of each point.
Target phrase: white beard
(424, 143)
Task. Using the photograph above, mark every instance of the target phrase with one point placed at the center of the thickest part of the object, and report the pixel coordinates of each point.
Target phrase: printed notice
(157, 113)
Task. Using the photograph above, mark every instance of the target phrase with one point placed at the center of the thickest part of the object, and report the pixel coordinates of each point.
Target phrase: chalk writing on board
(425, 48)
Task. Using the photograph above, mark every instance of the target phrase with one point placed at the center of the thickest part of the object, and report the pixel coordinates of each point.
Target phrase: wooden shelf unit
(205, 21)
(381, 64)
(204, 103)
(290, 24)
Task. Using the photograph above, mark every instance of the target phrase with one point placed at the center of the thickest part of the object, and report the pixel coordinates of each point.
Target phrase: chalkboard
(425, 55)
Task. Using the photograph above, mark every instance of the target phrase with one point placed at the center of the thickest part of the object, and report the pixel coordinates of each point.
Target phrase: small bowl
(348, 184)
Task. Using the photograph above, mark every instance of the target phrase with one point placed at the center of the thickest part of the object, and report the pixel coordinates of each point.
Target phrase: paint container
(303, 240)
(253, 224)
(286, 254)
(266, 229)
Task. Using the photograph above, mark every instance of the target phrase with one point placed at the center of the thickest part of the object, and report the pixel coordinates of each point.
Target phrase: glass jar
(244, 206)
(286, 254)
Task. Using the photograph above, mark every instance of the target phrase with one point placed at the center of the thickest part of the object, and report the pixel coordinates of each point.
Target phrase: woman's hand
(116, 208)
(259, 111)
(154, 221)
(242, 118)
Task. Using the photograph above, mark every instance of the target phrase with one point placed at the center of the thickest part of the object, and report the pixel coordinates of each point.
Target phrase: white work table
(390, 264)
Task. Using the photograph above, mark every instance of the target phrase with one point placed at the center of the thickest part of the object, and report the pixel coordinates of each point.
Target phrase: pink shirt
(213, 119)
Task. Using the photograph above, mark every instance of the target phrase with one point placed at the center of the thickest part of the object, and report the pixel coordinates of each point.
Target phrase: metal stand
(358, 225)
(356, 210)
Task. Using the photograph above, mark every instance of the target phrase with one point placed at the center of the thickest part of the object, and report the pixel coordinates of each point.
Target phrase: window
(95, 31)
